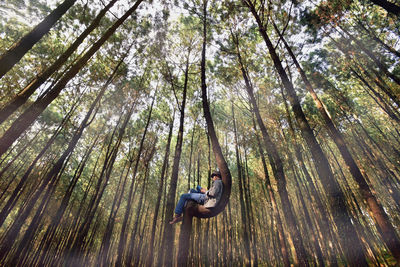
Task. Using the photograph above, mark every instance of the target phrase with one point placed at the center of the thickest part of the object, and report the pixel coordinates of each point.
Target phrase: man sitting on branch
(209, 198)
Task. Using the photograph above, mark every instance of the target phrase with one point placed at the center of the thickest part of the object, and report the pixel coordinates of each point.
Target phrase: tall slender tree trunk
(25, 148)
(245, 224)
(313, 233)
(169, 231)
(250, 214)
(378, 81)
(283, 248)
(132, 253)
(323, 219)
(378, 98)
(385, 227)
(21, 254)
(191, 155)
(75, 246)
(123, 233)
(377, 39)
(49, 180)
(31, 114)
(20, 98)
(104, 254)
(277, 167)
(159, 194)
(349, 239)
(381, 65)
(20, 48)
(219, 157)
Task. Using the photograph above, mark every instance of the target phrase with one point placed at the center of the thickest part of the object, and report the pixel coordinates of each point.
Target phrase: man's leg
(179, 208)
(181, 203)
(198, 197)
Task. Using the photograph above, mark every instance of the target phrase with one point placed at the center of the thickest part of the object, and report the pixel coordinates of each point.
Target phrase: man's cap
(216, 173)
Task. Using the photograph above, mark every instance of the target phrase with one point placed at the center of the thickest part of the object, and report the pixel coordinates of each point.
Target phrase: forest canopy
(111, 109)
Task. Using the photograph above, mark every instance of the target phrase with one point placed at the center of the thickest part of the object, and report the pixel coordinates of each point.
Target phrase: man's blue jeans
(193, 195)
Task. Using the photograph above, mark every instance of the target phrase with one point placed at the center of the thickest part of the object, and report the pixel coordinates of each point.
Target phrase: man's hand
(203, 190)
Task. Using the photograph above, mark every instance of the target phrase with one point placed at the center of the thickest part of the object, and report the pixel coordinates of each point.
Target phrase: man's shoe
(176, 219)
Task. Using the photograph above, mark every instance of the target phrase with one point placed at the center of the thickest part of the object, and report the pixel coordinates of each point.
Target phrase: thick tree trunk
(20, 48)
(184, 237)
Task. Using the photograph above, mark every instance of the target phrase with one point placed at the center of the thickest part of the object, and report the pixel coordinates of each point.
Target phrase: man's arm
(215, 189)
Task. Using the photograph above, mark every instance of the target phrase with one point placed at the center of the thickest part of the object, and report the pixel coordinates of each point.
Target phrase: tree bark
(20, 48)
(159, 193)
(123, 234)
(200, 211)
(168, 229)
(349, 239)
(50, 180)
(31, 114)
(245, 224)
(385, 227)
(277, 167)
(283, 248)
(21, 98)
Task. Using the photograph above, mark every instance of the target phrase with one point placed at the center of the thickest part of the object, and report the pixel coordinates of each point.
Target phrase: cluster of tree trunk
(104, 195)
